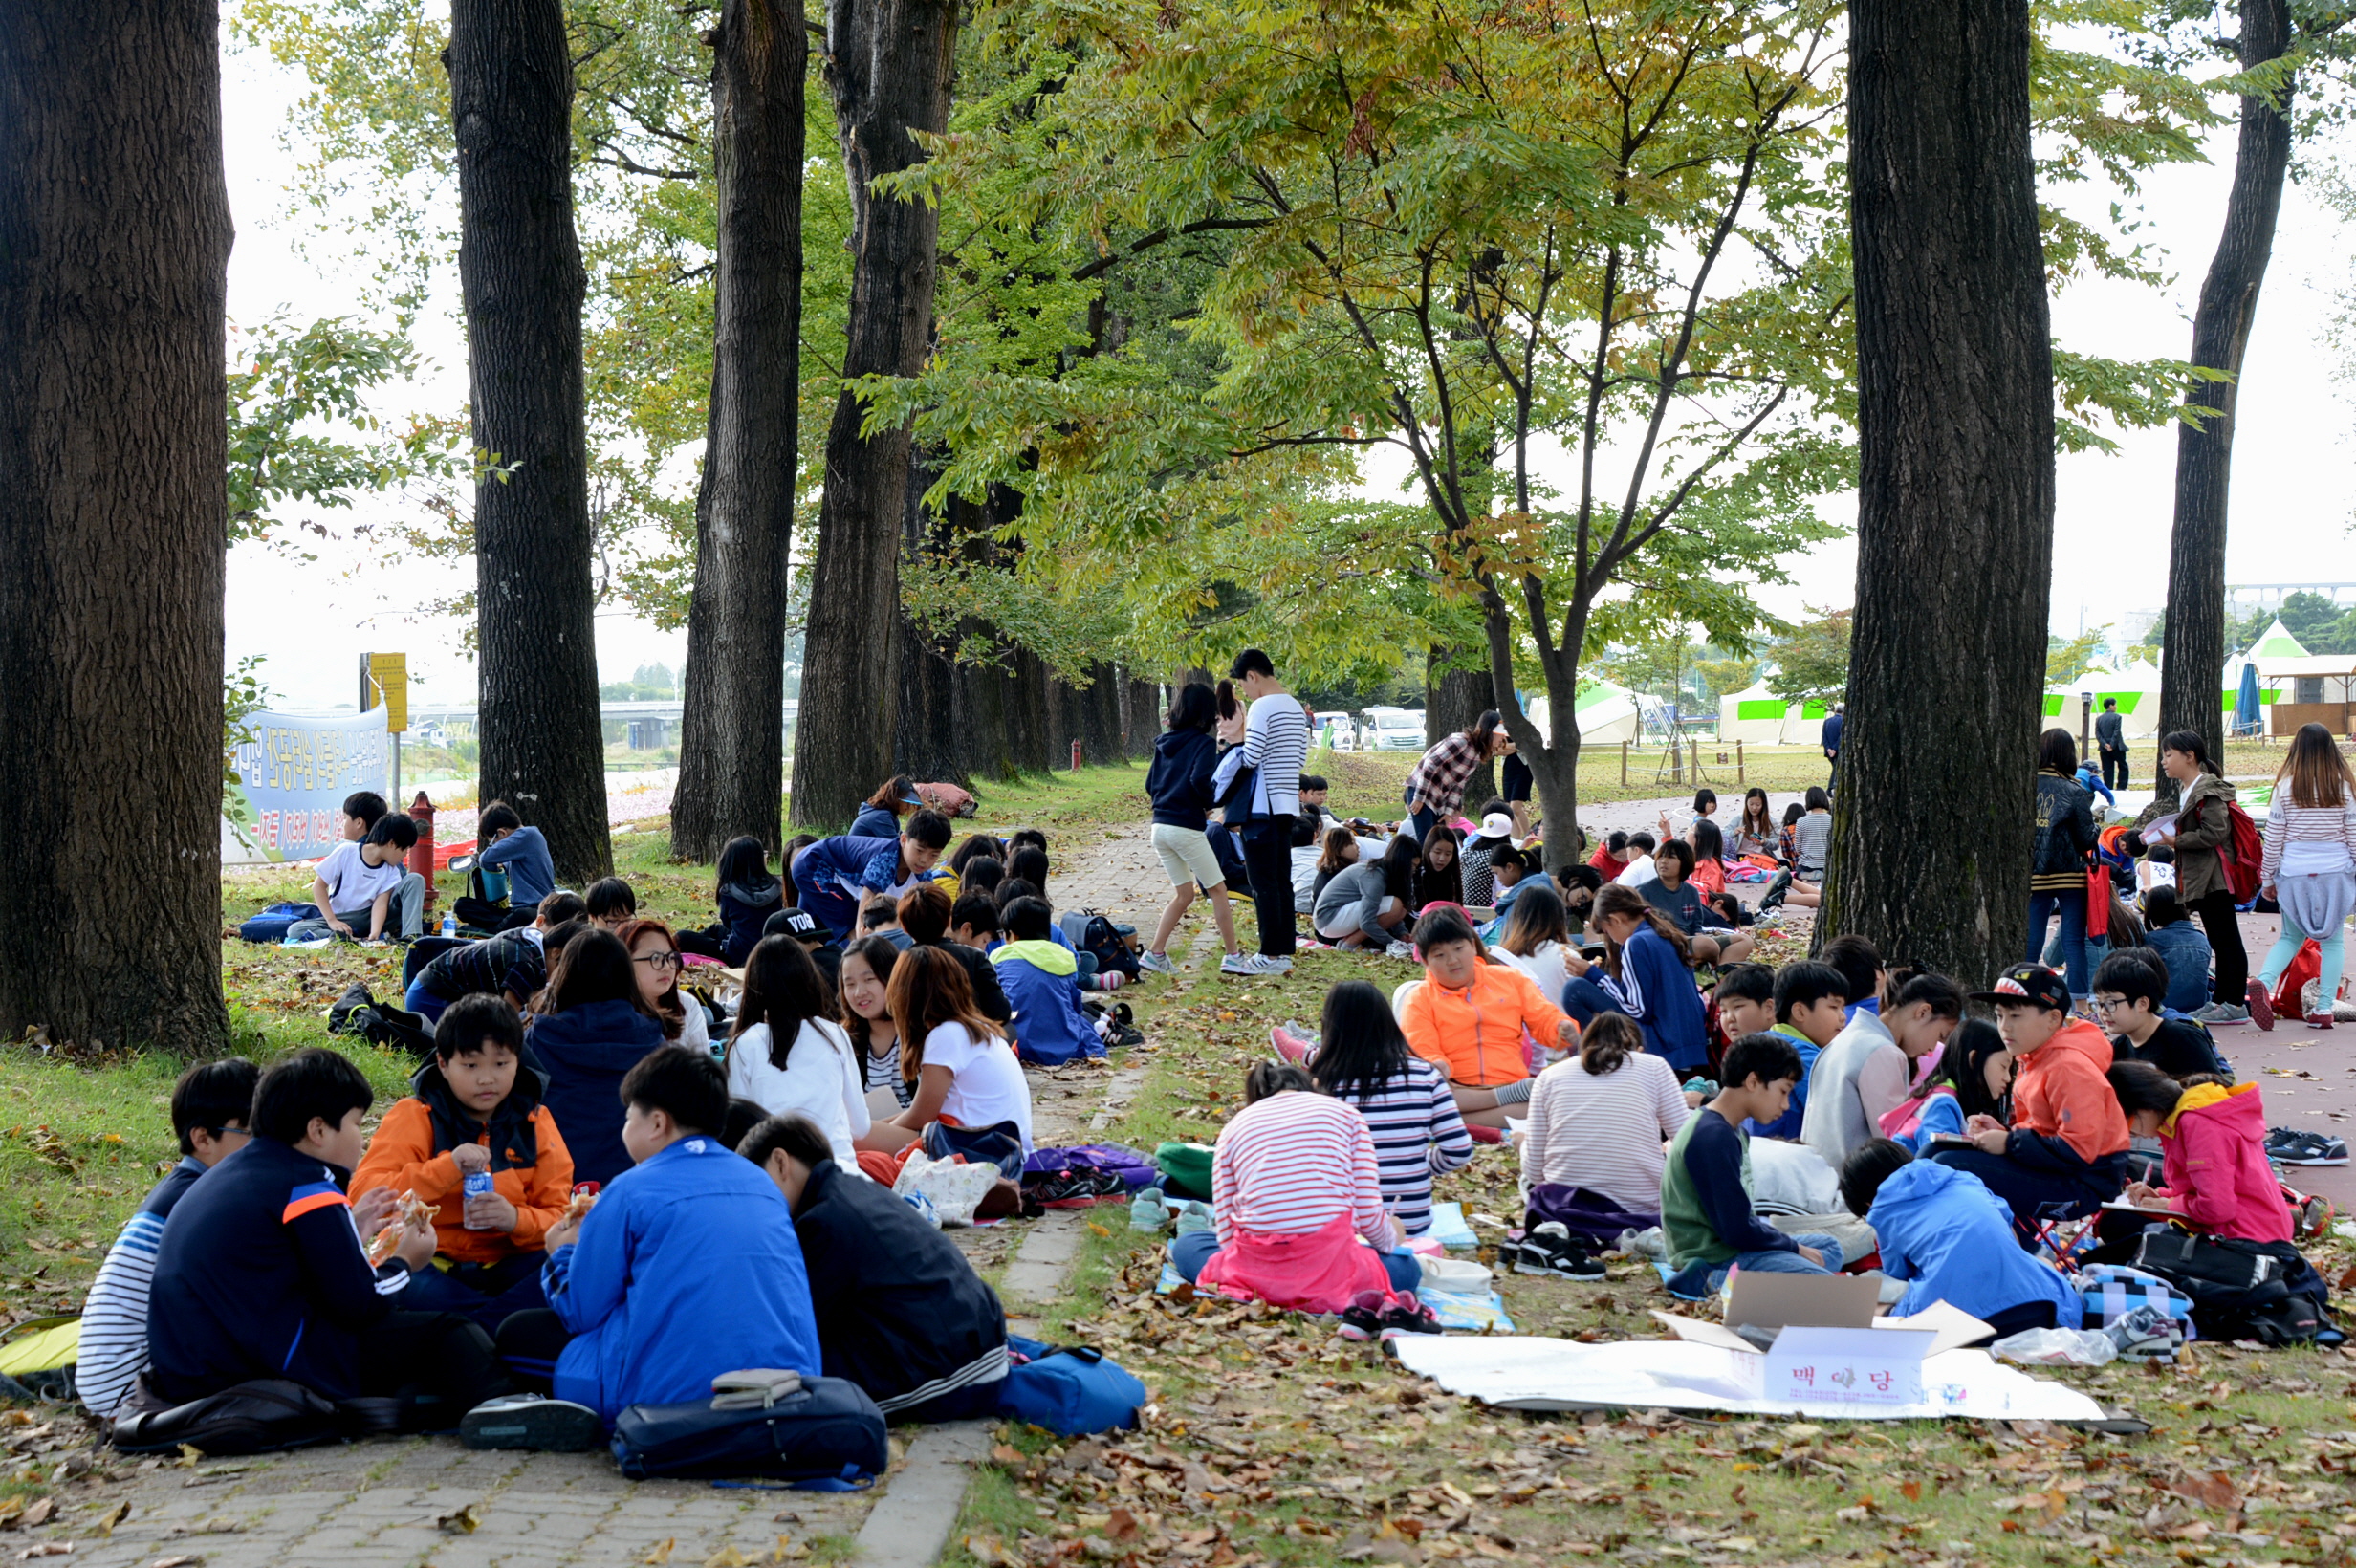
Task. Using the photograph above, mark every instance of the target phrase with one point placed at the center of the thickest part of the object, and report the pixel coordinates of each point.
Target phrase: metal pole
(1739, 777)
(1624, 765)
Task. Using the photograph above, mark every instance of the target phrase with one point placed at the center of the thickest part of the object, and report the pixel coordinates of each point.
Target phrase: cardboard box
(1829, 1348)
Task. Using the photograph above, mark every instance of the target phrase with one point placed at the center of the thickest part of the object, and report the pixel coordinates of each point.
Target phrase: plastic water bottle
(450, 923)
(477, 1184)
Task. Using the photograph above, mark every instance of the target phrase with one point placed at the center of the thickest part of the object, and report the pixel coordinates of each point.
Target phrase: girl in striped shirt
(864, 986)
(2310, 861)
(1363, 1061)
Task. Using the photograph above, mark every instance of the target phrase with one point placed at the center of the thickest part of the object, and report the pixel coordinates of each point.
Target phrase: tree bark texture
(2191, 675)
(519, 270)
(1935, 814)
(888, 67)
(1453, 701)
(731, 733)
(114, 261)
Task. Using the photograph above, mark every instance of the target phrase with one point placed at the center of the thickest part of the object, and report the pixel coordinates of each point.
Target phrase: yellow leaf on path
(728, 1557)
(114, 1516)
(461, 1522)
(660, 1553)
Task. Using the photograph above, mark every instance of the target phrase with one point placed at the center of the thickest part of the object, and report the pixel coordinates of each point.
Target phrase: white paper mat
(1523, 1373)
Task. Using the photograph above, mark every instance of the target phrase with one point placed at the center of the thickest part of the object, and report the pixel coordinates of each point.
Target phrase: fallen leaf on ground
(182, 1561)
(728, 1557)
(39, 1513)
(114, 1516)
(660, 1553)
(460, 1521)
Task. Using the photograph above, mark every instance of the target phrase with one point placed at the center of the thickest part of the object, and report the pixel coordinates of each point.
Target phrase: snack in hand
(410, 1210)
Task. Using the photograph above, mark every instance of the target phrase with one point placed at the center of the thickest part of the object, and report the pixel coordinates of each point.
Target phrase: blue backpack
(1070, 1391)
(272, 925)
(827, 1436)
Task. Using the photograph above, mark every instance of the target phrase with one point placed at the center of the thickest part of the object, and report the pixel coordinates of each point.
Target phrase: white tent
(1607, 714)
(2136, 689)
(1758, 717)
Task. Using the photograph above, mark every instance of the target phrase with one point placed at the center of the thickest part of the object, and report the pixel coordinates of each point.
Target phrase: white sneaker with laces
(1237, 964)
(1267, 964)
(1156, 964)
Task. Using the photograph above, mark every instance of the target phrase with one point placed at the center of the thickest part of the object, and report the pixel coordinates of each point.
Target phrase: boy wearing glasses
(209, 1106)
(2130, 993)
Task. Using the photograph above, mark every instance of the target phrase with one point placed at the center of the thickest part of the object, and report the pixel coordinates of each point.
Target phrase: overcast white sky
(2294, 464)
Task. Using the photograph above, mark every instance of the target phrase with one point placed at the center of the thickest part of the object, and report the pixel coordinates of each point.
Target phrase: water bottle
(450, 923)
(477, 1184)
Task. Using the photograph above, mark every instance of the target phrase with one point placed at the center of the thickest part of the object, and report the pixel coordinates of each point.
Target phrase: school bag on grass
(2241, 1290)
(820, 1434)
(38, 1356)
(1071, 1390)
(272, 925)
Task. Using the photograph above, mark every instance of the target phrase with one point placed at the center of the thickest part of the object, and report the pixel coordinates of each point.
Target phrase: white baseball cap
(1496, 825)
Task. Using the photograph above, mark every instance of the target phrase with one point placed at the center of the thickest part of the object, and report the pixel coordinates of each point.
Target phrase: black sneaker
(1362, 1320)
(1551, 1250)
(1775, 892)
(530, 1421)
(1406, 1315)
(2307, 1148)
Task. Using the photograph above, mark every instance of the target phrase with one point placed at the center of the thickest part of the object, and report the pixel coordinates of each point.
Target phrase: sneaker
(2262, 1006)
(1156, 964)
(1258, 963)
(1149, 1211)
(1237, 964)
(1405, 1315)
(1193, 1215)
(1362, 1320)
(2219, 1013)
(1289, 1045)
(1399, 949)
(2308, 1148)
(1074, 1189)
(533, 1421)
(2319, 1020)
(1550, 1250)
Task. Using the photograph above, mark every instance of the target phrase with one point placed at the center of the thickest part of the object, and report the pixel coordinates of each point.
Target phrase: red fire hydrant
(421, 855)
(1075, 756)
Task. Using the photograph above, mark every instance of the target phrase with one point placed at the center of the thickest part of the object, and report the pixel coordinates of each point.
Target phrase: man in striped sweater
(209, 1106)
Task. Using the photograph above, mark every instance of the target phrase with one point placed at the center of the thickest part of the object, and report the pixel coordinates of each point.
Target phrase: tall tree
(2189, 678)
(888, 69)
(732, 736)
(1954, 531)
(520, 272)
(113, 265)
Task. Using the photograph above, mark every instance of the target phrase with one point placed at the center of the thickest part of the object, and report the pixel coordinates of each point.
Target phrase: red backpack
(2242, 855)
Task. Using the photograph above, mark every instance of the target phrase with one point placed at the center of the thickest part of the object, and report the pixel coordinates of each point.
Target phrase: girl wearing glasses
(654, 962)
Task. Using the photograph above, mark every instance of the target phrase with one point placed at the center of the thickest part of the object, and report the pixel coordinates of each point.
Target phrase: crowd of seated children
(748, 896)
(1371, 904)
(864, 989)
(1679, 896)
(686, 1267)
(1642, 865)
(1646, 975)
(899, 1310)
(588, 1027)
(366, 890)
(611, 903)
(209, 1105)
(1599, 1119)
(1040, 980)
(2130, 999)
(879, 818)
(522, 854)
(1867, 1070)
(1179, 783)
(1706, 1213)
(1949, 1238)
(960, 1066)
(514, 963)
(928, 919)
(475, 1110)
(1973, 1079)
(1439, 874)
(2066, 1153)
(788, 1055)
(1294, 1192)
(834, 874)
(1468, 1017)
(1363, 1061)
(2170, 936)
(263, 1270)
(1537, 941)
(655, 964)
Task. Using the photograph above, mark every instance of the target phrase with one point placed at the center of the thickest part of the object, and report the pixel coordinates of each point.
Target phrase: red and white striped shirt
(1290, 1163)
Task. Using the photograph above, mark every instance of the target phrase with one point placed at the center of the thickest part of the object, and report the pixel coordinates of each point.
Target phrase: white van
(1394, 729)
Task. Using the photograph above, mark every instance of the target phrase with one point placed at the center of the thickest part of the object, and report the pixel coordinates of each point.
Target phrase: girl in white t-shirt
(787, 1053)
(962, 1065)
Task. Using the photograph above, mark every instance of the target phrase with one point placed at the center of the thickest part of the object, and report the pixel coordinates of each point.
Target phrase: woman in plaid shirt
(1435, 789)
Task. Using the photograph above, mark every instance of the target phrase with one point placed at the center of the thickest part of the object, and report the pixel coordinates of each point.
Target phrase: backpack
(272, 925)
(37, 1356)
(2242, 855)
(1100, 938)
(1071, 1390)
(259, 1417)
(826, 1435)
(2241, 1290)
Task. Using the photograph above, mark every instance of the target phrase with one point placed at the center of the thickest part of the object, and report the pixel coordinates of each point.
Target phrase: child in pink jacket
(2212, 1142)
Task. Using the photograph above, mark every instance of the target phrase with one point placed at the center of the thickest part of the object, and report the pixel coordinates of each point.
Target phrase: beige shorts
(1186, 855)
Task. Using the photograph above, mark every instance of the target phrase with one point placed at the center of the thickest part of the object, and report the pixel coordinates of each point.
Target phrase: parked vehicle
(1394, 730)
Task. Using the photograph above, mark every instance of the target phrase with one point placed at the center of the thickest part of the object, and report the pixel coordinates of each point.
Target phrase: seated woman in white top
(962, 1065)
(786, 1053)
(1537, 940)
(1600, 1120)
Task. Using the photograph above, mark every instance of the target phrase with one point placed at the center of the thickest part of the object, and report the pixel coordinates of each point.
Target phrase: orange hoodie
(1475, 1035)
(401, 1156)
(2061, 1092)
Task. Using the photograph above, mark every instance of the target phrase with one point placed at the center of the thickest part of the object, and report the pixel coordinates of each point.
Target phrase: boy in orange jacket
(2066, 1153)
(474, 1118)
(1469, 1016)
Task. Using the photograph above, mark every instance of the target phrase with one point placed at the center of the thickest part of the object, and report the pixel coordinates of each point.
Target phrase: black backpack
(1109, 948)
(259, 1417)
(2241, 1290)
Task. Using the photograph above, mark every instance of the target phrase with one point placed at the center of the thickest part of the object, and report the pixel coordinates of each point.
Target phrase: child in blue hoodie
(1041, 980)
(1942, 1230)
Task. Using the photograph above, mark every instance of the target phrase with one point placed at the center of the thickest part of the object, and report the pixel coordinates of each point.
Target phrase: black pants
(439, 1361)
(2224, 930)
(1268, 855)
(2019, 1320)
(530, 1343)
(486, 916)
(2115, 768)
(2034, 1195)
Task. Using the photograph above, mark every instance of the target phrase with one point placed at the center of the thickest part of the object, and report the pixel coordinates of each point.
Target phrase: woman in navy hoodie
(1184, 759)
(588, 1027)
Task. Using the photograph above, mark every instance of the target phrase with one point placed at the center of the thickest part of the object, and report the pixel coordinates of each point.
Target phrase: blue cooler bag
(826, 1436)
(1071, 1391)
(273, 922)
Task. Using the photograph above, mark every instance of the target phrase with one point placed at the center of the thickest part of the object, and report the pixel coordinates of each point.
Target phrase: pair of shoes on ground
(1074, 1189)
(2290, 1146)
(1292, 1042)
(1550, 1248)
(1380, 1315)
(531, 1420)
(1255, 964)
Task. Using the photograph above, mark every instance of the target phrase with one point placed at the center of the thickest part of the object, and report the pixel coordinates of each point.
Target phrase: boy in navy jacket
(834, 876)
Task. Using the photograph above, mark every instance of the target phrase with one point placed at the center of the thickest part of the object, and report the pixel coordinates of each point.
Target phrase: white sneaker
(1399, 949)
(1238, 964)
(1156, 964)
(1258, 964)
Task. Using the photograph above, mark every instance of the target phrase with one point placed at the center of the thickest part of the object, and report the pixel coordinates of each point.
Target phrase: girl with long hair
(862, 990)
(589, 1026)
(1709, 856)
(1536, 939)
(748, 893)
(2199, 827)
(1973, 1078)
(1338, 853)
(1370, 905)
(1362, 1060)
(958, 1064)
(1646, 973)
(1599, 1119)
(654, 963)
(1439, 877)
(786, 1053)
(1755, 831)
(790, 896)
(2310, 861)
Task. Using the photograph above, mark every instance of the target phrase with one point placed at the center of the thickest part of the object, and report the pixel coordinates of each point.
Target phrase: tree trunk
(1934, 819)
(888, 67)
(519, 268)
(732, 732)
(930, 722)
(113, 262)
(2189, 676)
(1453, 702)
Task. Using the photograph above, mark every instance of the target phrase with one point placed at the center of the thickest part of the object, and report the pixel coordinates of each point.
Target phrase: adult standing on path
(1435, 789)
(2057, 872)
(1276, 744)
(2110, 741)
(1833, 723)
(2202, 822)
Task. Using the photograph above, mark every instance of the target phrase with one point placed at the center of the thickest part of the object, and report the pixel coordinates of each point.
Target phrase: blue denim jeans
(1697, 1279)
(2072, 908)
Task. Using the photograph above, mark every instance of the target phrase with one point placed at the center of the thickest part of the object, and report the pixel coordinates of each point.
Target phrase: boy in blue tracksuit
(834, 876)
(686, 1268)
(1942, 1230)
(1041, 981)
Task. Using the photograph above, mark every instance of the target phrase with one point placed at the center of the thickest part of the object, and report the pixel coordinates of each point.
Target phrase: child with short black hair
(611, 903)
(209, 1106)
(1642, 865)
(522, 851)
(1026, 839)
(361, 810)
(974, 920)
(1469, 1016)
(1811, 1008)
(1706, 1211)
(367, 886)
(1746, 998)
(926, 915)
(834, 874)
(1942, 1231)
(514, 962)
(1040, 980)
(2130, 996)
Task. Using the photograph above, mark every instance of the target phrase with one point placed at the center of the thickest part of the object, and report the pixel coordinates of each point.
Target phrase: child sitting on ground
(864, 988)
(1646, 974)
(209, 1106)
(1973, 1078)
(367, 887)
(1706, 1213)
(610, 902)
(1810, 1008)
(960, 1066)
(514, 963)
(1642, 865)
(686, 1268)
(1868, 1069)
(974, 922)
(880, 916)
(1746, 998)
(788, 1055)
(475, 1112)
(1612, 856)
(2213, 1152)
(1041, 981)
(748, 895)
(1468, 1017)
(926, 914)
(655, 964)
(522, 853)
(1598, 1120)
(1946, 1234)
(2131, 996)
(588, 1027)
(1363, 1061)
(1674, 892)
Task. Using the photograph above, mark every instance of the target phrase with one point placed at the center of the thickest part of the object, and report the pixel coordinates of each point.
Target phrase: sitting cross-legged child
(2213, 1171)
(1943, 1232)
(686, 1268)
(1469, 1016)
(474, 1140)
(263, 1270)
(900, 1312)
(1867, 1070)
(1706, 1211)
(209, 1106)
(1974, 1075)
(1040, 980)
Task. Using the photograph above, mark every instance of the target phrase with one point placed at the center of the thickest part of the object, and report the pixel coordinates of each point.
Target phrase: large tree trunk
(888, 66)
(521, 271)
(113, 262)
(2189, 675)
(731, 733)
(1954, 537)
(1453, 701)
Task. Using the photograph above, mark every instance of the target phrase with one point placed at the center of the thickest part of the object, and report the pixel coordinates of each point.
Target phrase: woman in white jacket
(788, 1055)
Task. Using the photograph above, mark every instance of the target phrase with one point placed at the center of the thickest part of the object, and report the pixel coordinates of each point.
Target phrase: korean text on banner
(293, 778)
